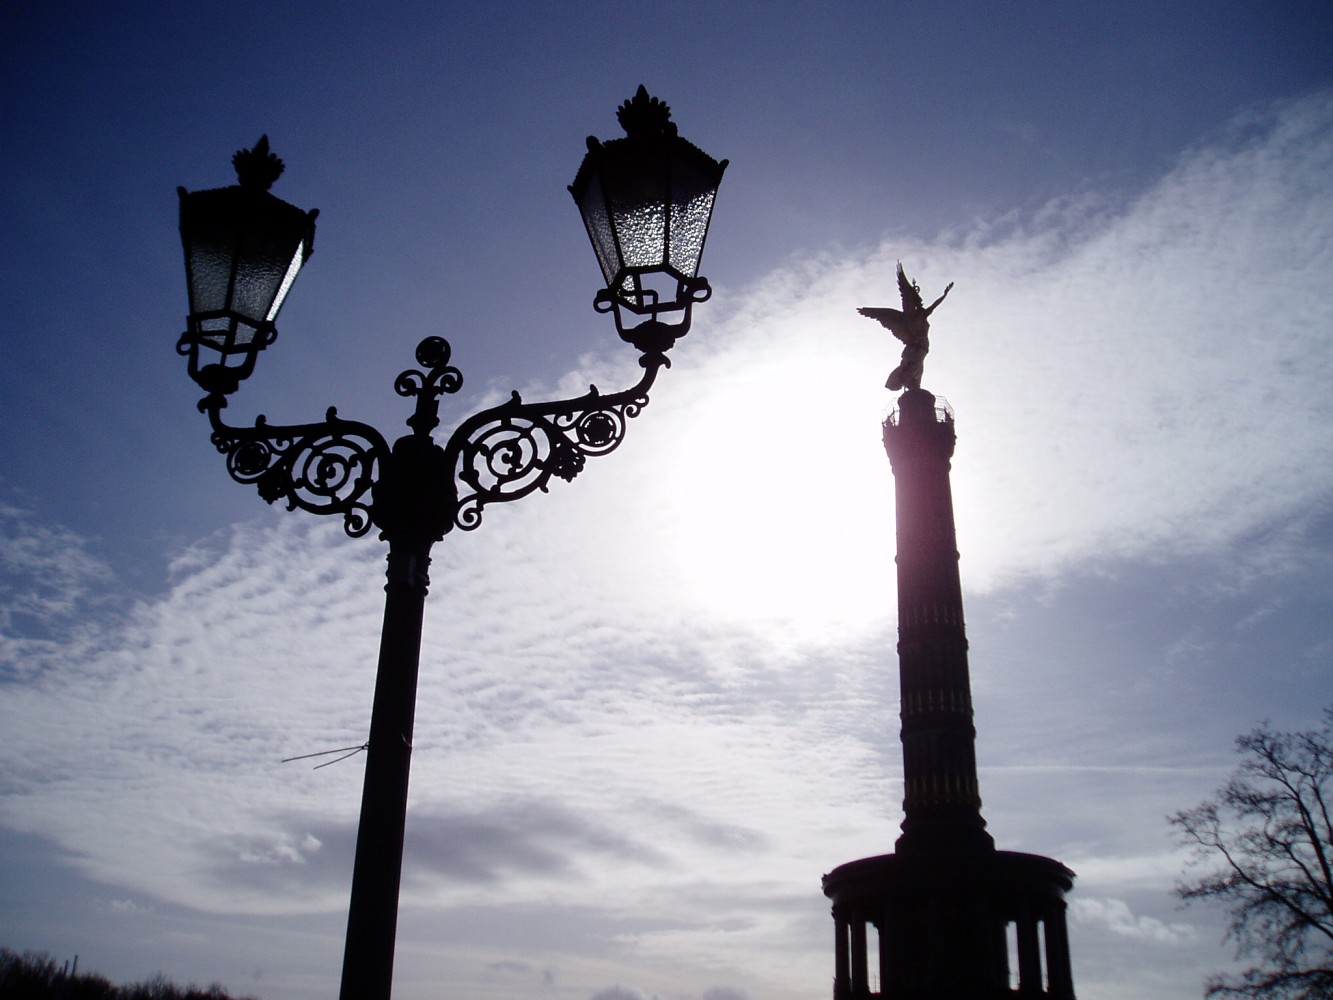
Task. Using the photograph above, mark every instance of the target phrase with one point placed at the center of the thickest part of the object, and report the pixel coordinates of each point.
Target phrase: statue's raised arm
(911, 325)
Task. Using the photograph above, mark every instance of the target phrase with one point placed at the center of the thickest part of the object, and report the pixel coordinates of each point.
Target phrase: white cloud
(1116, 916)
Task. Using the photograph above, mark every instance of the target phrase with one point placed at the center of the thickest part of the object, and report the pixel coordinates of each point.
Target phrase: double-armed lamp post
(646, 200)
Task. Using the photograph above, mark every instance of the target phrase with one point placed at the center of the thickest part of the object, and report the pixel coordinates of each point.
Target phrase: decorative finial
(257, 168)
(644, 117)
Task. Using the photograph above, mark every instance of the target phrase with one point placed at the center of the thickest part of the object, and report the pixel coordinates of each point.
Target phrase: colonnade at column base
(974, 925)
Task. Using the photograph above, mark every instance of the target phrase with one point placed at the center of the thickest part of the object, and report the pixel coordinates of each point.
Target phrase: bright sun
(780, 514)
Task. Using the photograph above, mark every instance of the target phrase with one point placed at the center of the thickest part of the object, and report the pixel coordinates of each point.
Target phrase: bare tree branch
(1262, 849)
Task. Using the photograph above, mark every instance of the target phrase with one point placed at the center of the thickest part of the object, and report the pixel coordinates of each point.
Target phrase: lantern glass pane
(642, 230)
(689, 226)
(637, 185)
(211, 250)
(694, 180)
(297, 260)
(266, 268)
(595, 217)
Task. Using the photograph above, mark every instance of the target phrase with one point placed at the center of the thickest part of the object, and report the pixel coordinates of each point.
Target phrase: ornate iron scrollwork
(324, 468)
(515, 448)
(500, 454)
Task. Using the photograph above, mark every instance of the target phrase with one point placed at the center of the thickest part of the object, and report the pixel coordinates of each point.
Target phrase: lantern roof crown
(646, 117)
(257, 168)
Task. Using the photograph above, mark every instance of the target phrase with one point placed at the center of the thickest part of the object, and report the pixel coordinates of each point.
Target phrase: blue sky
(659, 702)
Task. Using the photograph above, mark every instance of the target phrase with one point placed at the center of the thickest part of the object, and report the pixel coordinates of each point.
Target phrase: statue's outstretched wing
(891, 318)
(910, 293)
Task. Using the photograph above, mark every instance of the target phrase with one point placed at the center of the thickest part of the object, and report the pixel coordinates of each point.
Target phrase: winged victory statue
(911, 325)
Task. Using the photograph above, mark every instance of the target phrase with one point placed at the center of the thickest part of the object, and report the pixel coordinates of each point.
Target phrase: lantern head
(243, 249)
(647, 200)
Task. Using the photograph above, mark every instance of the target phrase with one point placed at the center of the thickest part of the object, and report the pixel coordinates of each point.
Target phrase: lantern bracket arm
(327, 467)
(511, 450)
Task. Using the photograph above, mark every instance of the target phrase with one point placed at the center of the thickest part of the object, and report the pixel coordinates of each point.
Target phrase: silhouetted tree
(1263, 847)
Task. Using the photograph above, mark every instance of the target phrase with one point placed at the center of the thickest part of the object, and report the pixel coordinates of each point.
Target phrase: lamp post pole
(646, 201)
(409, 491)
(372, 915)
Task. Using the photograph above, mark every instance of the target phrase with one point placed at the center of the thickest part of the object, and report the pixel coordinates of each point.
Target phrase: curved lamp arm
(325, 468)
(510, 450)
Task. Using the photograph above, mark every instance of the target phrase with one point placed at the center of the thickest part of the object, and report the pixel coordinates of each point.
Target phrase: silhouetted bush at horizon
(34, 975)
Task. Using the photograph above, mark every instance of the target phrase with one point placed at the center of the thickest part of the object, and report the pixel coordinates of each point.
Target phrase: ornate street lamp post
(646, 200)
